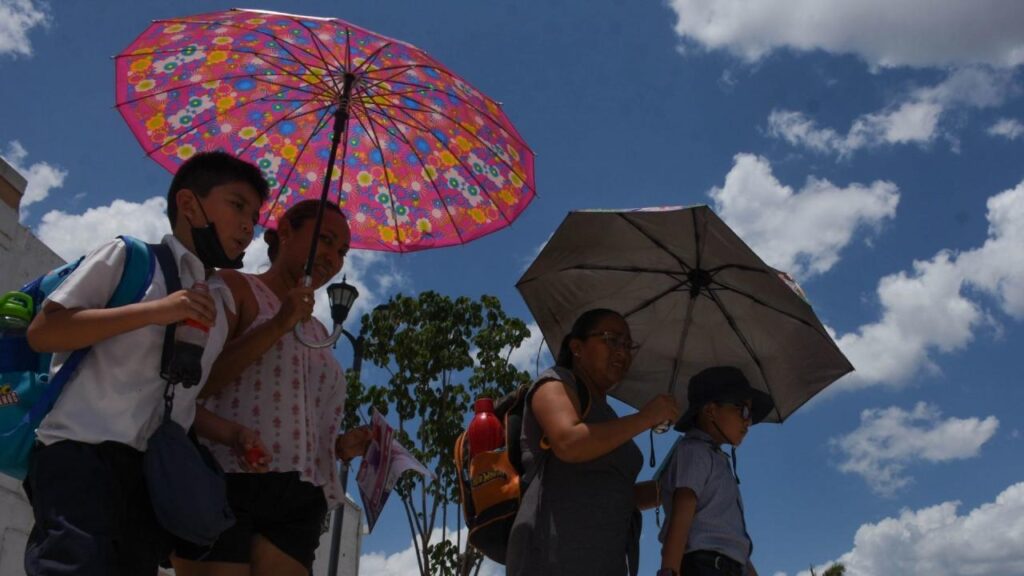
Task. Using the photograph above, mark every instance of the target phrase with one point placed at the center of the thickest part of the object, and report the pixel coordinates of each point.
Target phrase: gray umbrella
(694, 294)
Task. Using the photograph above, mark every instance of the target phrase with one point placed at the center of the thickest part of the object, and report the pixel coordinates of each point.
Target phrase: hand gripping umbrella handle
(307, 281)
(663, 427)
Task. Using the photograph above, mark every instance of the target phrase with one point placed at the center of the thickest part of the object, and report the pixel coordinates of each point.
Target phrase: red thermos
(485, 431)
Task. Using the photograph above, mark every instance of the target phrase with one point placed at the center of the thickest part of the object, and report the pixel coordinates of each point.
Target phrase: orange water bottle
(485, 431)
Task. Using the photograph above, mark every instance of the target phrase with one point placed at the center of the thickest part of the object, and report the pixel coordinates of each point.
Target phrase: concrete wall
(22, 258)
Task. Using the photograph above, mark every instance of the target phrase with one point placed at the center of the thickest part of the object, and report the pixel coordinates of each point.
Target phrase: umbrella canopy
(694, 295)
(426, 160)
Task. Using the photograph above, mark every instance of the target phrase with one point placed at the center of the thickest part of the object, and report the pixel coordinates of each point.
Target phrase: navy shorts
(92, 512)
(279, 506)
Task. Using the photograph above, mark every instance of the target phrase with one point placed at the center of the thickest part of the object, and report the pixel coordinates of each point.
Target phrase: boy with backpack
(705, 533)
(85, 480)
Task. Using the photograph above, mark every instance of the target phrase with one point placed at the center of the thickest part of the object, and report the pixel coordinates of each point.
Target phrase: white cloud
(532, 352)
(932, 310)
(41, 176)
(889, 439)
(913, 119)
(404, 563)
(923, 33)
(998, 266)
(1008, 128)
(936, 541)
(17, 18)
(921, 312)
(801, 232)
(71, 235)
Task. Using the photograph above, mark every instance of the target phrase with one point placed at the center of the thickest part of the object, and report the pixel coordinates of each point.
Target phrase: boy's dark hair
(206, 170)
(297, 215)
(580, 328)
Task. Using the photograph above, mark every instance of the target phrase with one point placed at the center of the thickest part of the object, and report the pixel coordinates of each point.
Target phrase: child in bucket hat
(705, 532)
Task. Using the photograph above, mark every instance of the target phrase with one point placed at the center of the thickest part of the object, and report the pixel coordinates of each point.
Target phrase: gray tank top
(575, 518)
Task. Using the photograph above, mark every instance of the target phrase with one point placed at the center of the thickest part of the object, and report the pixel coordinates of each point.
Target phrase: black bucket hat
(722, 384)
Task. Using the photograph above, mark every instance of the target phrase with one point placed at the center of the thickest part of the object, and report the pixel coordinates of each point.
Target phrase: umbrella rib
(419, 159)
(472, 135)
(195, 127)
(514, 135)
(321, 123)
(317, 44)
(746, 345)
(378, 81)
(372, 134)
(686, 268)
(278, 121)
(461, 163)
(373, 56)
(256, 77)
(769, 306)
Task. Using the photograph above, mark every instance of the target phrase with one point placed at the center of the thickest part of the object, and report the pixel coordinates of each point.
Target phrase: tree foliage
(440, 354)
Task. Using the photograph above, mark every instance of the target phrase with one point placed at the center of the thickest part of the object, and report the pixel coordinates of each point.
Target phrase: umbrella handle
(307, 281)
(331, 339)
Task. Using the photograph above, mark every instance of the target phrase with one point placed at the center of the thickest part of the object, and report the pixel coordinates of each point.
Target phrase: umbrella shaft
(340, 123)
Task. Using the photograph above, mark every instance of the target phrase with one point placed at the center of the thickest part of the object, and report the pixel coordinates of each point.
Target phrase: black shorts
(92, 512)
(279, 506)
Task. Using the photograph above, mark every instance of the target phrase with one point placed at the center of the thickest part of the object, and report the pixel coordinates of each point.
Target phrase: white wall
(22, 258)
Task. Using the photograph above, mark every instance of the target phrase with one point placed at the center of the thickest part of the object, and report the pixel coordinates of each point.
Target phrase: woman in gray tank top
(580, 512)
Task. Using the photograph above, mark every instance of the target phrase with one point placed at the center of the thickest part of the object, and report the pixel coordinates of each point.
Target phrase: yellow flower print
(289, 151)
(223, 40)
(429, 173)
(225, 103)
(515, 179)
(364, 178)
(463, 144)
(216, 57)
(261, 141)
(507, 197)
(513, 152)
(478, 215)
(249, 132)
(387, 234)
(155, 123)
(424, 226)
(142, 64)
(145, 85)
(174, 29)
(448, 158)
(186, 151)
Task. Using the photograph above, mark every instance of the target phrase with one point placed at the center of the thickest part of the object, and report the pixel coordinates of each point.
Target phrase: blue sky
(871, 148)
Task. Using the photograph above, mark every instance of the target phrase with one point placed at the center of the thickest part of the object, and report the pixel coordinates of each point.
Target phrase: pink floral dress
(294, 397)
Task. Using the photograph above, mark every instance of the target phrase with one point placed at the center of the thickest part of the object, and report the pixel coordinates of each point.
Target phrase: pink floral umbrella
(426, 159)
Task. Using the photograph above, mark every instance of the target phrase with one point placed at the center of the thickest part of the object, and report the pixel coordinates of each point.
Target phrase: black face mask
(208, 247)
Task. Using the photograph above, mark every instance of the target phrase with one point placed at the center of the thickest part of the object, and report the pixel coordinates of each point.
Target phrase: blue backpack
(27, 393)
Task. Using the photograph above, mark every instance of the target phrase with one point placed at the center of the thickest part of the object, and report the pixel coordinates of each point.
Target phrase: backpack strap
(136, 276)
(172, 280)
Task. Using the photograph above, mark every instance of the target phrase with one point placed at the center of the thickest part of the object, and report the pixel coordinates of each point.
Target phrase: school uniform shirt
(117, 393)
(718, 524)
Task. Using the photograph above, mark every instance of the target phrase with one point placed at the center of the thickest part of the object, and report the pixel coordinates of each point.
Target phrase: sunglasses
(616, 341)
(745, 411)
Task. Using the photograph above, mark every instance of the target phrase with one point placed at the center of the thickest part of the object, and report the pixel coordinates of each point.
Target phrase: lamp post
(342, 296)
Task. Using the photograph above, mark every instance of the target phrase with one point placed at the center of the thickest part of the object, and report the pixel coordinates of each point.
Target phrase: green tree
(440, 355)
(837, 569)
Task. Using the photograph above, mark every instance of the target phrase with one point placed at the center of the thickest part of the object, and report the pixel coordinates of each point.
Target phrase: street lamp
(341, 297)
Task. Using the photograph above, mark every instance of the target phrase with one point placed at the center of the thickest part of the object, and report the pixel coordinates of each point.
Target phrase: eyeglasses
(745, 410)
(616, 341)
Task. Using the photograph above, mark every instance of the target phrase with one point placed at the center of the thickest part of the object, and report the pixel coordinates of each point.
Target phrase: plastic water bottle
(15, 312)
(485, 431)
(189, 342)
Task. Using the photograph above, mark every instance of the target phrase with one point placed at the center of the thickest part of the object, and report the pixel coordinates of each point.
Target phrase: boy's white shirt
(117, 393)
